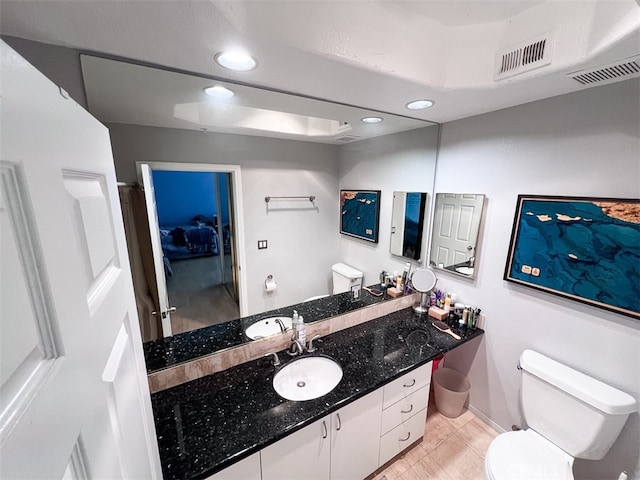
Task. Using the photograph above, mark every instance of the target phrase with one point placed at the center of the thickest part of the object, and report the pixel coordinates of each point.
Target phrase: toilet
(345, 278)
(569, 415)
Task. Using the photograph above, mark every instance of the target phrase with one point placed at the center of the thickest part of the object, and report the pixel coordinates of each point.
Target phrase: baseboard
(486, 419)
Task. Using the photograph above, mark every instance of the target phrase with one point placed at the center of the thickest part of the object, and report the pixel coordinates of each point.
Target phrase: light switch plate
(262, 244)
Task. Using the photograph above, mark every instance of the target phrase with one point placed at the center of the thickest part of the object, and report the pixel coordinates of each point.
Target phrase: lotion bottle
(301, 331)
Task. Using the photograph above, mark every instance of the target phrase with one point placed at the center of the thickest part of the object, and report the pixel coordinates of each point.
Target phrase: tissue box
(438, 313)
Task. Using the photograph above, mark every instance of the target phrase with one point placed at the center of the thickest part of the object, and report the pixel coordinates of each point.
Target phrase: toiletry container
(345, 278)
(569, 415)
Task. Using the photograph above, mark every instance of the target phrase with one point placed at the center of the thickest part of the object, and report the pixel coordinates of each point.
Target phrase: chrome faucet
(311, 347)
(296, 347)
(281, 325)
(276, 360)
(472, 261)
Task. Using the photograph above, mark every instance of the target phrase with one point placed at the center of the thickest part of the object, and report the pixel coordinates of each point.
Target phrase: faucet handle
(276, 360)
(310, 347)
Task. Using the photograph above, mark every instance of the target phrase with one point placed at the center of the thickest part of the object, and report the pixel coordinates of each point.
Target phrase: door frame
(238, 211)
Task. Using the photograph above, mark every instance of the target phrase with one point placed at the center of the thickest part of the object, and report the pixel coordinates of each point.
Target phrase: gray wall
(403, 161)
(302, 236)
(584, 144)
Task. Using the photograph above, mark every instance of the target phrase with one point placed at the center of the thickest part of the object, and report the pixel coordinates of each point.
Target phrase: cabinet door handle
(405, 439)
(339, 422)
(413, 382)
(407, 411)
(324, 427)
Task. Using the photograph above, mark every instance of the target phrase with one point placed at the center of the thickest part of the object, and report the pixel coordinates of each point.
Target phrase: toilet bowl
(569, 415)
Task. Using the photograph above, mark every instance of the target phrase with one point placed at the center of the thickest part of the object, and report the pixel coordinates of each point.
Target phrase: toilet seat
(525, 454)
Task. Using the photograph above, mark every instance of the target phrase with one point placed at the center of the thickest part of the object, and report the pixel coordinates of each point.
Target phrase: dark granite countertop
(210, 423)
(183, 347)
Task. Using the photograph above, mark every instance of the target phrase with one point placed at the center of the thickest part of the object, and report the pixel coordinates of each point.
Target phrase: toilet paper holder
(270, 284)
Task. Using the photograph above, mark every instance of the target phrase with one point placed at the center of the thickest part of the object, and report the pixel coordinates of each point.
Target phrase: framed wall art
(585, 249)
(360, 214)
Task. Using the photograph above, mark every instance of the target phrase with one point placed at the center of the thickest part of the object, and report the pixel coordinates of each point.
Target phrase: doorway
(195, 223)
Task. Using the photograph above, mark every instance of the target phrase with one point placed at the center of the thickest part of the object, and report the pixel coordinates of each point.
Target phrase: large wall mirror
(456, 226)
(408, 221)
(165, 103)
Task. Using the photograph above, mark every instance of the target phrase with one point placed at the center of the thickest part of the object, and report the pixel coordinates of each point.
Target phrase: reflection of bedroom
(194, 232)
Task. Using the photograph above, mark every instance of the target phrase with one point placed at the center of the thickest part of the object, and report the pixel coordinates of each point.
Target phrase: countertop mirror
(408, 220)
(456, 226)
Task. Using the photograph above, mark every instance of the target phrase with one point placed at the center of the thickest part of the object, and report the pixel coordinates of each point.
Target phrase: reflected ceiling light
(420, 104)
(218, 91)
(238, 61)
(371, 119)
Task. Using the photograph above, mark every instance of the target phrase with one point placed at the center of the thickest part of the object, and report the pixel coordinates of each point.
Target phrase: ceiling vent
(347, 138)
(525, 56)
(614, 72)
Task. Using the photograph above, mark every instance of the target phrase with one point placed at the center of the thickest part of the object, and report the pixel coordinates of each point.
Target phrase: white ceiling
(369, 53)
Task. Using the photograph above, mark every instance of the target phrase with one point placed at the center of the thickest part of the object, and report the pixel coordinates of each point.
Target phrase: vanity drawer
(404, 409)
(406, 385)
(402, 436)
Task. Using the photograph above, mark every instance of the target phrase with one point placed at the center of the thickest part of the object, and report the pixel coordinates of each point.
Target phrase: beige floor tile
(436, 430)
(458, 460)
(398, 467)
(415, 454)
(386, 474)
(465, 417)
(478, 435)
(426, 468)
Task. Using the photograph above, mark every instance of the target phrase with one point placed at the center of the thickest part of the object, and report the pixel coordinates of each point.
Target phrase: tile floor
(451, 449)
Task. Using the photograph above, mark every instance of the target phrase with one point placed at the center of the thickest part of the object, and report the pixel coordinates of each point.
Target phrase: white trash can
(451, 389)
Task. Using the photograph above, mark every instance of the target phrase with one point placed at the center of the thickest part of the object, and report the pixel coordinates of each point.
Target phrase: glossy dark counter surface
(208, 424)
(170, 351)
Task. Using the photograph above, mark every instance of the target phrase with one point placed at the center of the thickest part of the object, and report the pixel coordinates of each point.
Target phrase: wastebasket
(451, 389)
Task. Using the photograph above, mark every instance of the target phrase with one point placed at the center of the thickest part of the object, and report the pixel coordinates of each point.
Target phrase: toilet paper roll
(270, 286)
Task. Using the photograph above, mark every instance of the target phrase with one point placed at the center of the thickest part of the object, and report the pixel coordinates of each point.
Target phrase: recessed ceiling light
(371, 119)
(420, 104)
(219, 91)
(238, 61)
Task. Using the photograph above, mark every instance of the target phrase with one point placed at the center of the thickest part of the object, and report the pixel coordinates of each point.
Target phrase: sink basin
(267, 326)
(465, 270)
(307, 378)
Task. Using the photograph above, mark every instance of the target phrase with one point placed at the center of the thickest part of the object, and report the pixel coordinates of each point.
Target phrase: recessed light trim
(420, 104)
(236, 61)
(371, 119)
(218, 91)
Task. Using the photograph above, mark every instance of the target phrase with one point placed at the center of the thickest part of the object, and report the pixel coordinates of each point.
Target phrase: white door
(74, 398)
(455, 231)
(156, 248)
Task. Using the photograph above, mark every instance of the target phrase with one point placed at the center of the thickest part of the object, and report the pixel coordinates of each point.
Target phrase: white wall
(301, 236)
(584, 144)
(400, 162)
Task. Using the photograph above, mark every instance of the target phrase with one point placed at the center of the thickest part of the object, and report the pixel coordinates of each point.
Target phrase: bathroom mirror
(154, 98)
(407, 224)
(454, 238)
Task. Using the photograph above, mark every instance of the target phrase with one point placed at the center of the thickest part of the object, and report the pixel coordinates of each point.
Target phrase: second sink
(307, 378)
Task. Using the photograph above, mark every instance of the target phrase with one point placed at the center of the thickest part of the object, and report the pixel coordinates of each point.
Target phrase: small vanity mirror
(456, 226)
(407, 224)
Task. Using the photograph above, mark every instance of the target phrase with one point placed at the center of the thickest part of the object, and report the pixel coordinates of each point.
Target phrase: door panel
(69, 295)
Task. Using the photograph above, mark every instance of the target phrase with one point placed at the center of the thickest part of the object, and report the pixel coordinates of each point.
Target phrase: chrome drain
(301, 384)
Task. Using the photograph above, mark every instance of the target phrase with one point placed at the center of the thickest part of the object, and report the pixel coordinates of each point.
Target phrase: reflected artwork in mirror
(456, 227)
(407, 224)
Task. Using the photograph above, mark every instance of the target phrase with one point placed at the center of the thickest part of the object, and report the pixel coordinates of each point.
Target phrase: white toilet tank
(578, 413)
(345, 277)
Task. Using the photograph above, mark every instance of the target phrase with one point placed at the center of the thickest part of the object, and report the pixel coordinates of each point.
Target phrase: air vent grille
(523, 57)
(615, 72)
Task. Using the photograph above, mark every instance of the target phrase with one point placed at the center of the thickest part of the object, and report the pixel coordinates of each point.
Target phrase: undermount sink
(267, 326)
(465, 270)
(306, 378)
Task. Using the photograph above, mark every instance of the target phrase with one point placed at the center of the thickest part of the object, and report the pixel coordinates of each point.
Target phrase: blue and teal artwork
(360, 210)
(581, 248)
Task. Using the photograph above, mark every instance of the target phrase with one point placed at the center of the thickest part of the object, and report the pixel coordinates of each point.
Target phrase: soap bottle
(301, 331)
(295, 321)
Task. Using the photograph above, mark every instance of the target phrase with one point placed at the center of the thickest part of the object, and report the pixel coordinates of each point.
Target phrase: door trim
(238, 213)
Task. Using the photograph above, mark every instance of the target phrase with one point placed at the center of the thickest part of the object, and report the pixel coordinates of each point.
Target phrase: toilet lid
(525, 455)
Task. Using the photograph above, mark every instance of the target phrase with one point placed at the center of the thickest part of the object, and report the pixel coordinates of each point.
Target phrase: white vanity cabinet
(404, 412)
(304, 455)
(341, 446)
(247, 469)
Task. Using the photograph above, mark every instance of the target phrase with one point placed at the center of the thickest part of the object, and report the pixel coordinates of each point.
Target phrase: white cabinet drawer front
(406, 385)
(247, 469)
(402, 436)
(404, 409)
